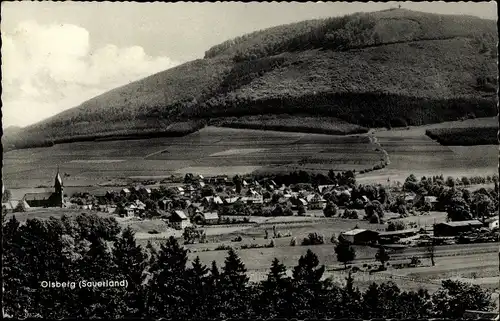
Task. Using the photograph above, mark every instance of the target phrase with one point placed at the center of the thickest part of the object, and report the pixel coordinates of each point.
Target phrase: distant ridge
(388, 68)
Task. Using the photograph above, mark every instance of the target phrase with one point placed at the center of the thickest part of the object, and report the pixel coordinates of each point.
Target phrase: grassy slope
(293, 123)
(290, 66)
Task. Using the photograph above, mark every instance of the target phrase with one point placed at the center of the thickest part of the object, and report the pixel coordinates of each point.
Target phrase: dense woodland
(465, 136)
(364, 109)
(352, 31)
(162, 283)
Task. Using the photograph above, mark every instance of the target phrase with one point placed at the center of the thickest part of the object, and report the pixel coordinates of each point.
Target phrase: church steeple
(58, 183)
(58, 187)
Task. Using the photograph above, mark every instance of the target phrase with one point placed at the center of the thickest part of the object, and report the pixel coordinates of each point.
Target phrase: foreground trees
(161, 283)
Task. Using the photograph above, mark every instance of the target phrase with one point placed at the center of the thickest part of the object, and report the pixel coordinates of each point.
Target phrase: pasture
(209, 151)
(411, 151)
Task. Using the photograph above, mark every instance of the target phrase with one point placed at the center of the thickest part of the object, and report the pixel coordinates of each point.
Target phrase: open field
(411, 151)
(295, 123)
(216, 150)
(212, 150)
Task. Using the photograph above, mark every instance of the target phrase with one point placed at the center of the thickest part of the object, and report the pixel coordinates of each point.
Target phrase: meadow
(412, 151)
(210, 151)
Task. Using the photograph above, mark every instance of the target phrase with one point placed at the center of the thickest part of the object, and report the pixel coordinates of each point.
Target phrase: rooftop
(463, 223)
(356, 231)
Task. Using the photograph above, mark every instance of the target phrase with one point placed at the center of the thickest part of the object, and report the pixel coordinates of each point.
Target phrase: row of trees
(452, 197)
(161, 283)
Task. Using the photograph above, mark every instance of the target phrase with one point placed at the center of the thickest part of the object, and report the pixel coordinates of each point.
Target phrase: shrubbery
(313, 239)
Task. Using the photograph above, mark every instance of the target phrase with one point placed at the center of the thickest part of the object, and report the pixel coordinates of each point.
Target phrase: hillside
(392, 67)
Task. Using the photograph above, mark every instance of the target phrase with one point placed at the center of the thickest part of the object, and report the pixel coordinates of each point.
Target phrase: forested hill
(391, 67)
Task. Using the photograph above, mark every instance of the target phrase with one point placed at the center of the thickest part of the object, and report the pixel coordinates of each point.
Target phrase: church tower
(58, 189)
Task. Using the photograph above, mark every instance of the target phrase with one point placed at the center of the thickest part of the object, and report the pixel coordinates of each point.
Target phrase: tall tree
(382, 256)
(168, 289)
(97, 265)
(307, 285)
(275, 291)
(233, 285)
(197, 282)
(130, 262)
(454, 297)
(345, 252)
(213, 303)
(351, 299)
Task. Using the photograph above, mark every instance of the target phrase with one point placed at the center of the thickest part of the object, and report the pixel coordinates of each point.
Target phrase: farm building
(454, 228)
(360, 236)
(179, 220)
(393, 236)
(206, 218)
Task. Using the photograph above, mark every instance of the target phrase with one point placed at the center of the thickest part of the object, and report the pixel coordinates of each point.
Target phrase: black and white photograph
(250, 160)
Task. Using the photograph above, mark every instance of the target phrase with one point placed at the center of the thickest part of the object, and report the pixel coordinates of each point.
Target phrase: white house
(316, 201)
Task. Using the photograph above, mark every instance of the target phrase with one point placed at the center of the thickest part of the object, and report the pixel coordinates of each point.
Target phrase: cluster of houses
(185, 204)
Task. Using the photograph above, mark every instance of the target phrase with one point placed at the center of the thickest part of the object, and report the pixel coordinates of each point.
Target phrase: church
(47, 199)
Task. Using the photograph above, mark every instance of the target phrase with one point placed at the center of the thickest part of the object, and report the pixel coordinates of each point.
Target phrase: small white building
(315, 201)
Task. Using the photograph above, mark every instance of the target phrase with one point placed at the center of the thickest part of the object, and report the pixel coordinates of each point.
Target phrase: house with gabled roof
(179, 220)
(315, 201)
(206, 218)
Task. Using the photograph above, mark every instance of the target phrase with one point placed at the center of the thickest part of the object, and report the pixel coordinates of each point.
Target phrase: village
(196, 202)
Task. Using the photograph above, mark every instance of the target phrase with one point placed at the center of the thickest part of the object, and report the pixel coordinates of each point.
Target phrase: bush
(415, 261)
(396, 226)
(350, 214)
(237, 239)
(313, 239)
(223, 247)
(374, 219)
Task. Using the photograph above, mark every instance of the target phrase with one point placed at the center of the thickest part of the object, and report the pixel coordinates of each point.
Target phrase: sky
(56, 55)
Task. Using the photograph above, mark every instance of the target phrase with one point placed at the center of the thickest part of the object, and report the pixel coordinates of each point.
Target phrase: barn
(394, 236)
(360, 236)
(455, 228)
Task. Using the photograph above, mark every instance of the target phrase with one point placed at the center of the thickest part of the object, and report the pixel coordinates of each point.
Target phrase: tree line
(348, 32)
(375, 110)
(161, 282)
